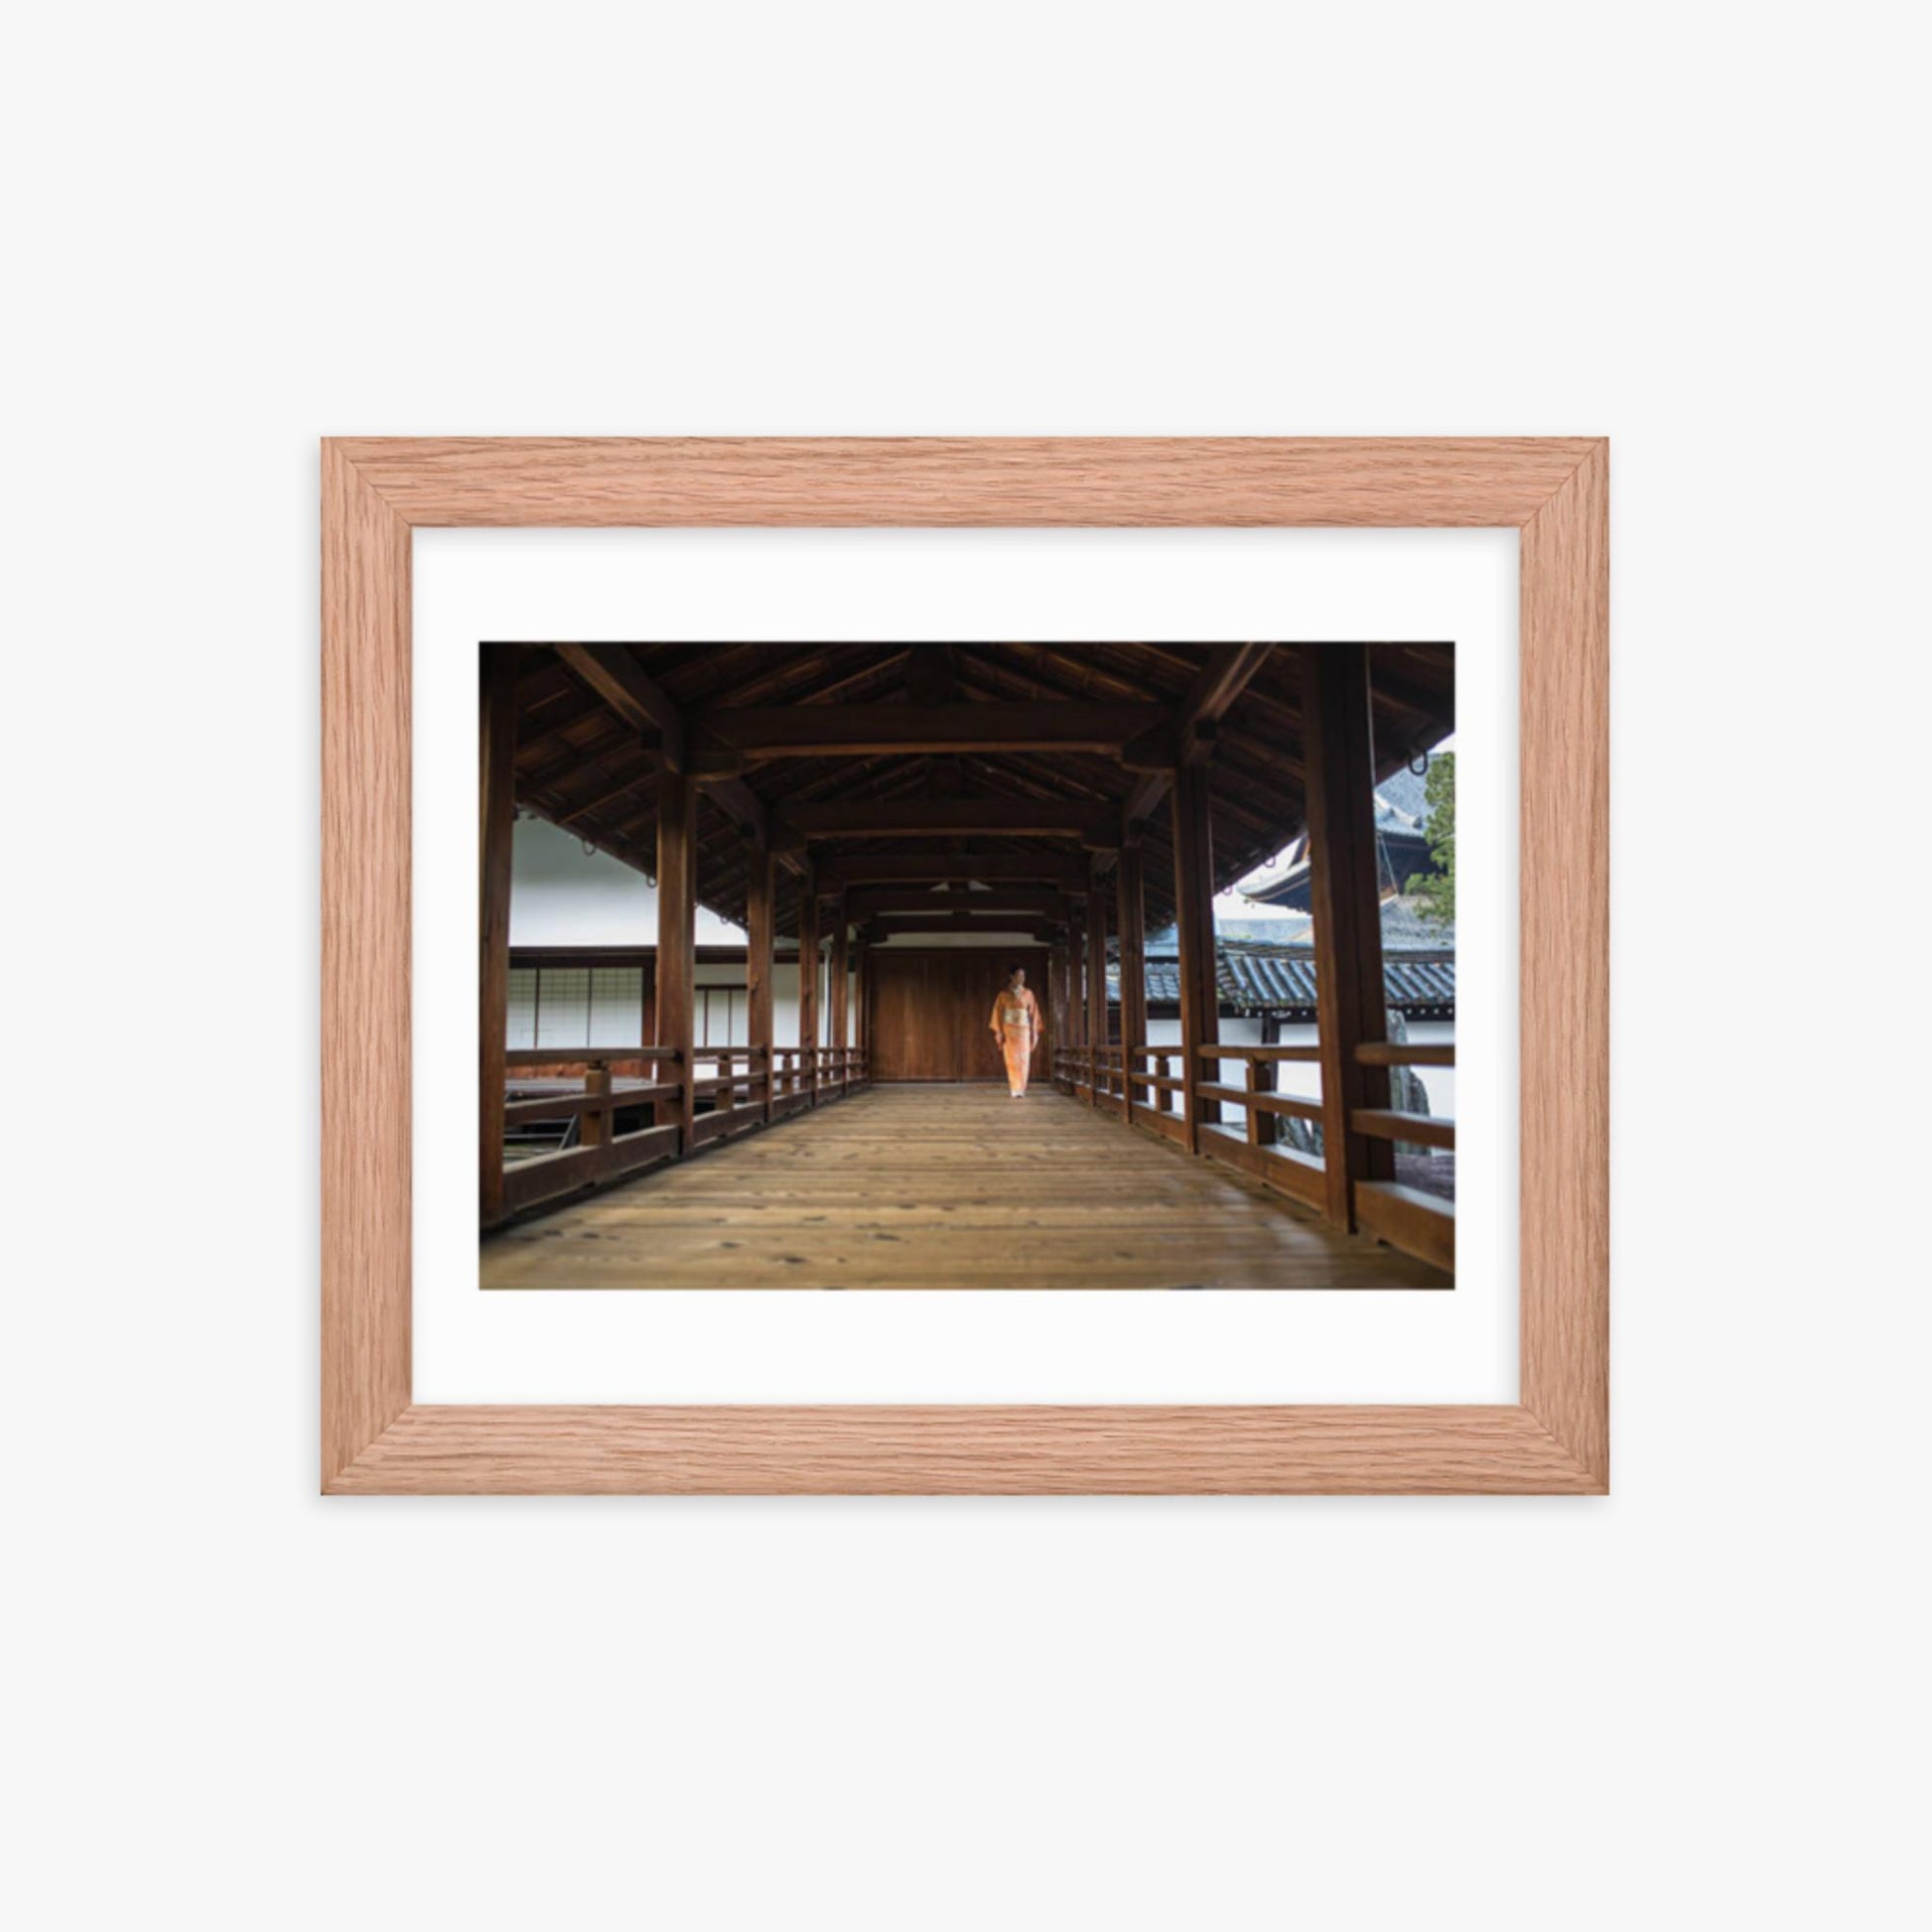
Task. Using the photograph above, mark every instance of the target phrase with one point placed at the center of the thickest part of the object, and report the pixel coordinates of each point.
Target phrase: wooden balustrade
(748, 1088)
(1405, 1217)
(602, 1155)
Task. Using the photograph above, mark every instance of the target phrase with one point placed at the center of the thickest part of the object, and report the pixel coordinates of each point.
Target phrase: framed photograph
(979, 966)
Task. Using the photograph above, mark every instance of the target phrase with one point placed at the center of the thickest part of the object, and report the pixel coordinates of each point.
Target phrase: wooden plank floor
(942, 1186)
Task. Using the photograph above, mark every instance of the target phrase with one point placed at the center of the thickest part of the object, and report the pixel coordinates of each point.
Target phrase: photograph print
(958, 966)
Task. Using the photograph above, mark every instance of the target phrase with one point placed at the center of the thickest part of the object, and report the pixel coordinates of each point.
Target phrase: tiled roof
(1258, 979)
(1404, 929)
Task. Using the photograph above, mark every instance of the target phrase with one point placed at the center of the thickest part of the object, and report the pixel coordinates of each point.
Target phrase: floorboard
(942, 1188)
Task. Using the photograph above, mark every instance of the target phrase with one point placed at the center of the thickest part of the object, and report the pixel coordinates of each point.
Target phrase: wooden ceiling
(1043, 793)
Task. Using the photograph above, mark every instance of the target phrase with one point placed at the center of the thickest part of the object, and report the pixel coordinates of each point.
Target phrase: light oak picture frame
(376, 1441)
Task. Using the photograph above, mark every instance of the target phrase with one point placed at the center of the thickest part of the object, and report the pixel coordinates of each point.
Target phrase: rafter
(886, 868)
(1020, 818)
(865, 900)
(638, 698)
(886, 927)
(1226, 674)
(735, 732)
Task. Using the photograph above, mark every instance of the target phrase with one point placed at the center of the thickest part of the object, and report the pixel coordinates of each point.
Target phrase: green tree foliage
(1437, 890)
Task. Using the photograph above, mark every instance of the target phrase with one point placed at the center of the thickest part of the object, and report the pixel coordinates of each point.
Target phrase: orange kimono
(1015, 1026)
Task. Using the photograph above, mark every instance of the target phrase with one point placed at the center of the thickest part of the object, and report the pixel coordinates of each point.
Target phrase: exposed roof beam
(740, 803)
(1019, 901)
(1023, 922)
(885, 868)
(901, 818)
(639, 699)
(957, 922)
(1229, 670)
(734, 733)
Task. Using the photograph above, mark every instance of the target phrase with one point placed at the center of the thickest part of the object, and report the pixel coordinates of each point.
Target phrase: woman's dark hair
(1016, 967)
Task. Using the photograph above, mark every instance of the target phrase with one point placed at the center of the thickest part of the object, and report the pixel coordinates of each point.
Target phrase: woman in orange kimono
(1015, 1026)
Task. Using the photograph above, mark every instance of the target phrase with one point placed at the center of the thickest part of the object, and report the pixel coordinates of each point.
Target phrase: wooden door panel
(929, 1011)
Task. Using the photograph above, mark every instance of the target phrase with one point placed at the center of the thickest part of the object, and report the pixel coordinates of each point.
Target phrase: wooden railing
(1255, 1146)
(600, 1154)
(1406, 1217)
(1141, 1085)
(738, 1088)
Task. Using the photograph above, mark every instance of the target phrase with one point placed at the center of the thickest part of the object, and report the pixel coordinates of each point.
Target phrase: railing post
(1270, 1081)
(677, 933)
(498, 816)
(594, 1125)
(1254, 1112)
(1345, 897)
(1194, 882)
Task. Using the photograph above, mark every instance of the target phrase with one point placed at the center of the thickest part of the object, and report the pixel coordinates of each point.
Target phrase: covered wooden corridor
(945, 1187)
(1044, 801)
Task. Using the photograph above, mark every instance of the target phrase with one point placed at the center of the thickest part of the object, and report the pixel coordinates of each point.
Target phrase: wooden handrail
(587, 1056)
(1224, 1049)
(1267, 1103)
(1397, 1052)
(1419, 1130)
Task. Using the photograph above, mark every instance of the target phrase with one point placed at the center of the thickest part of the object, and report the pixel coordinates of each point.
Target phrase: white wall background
(1699, 1703)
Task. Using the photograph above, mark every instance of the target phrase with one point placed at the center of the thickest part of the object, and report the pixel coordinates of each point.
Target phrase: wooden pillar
(1131, 917)
(1194, 895)
(1345, 897)
(1076, 980)
(861, 999)
(498, 796)
(808, 984)
(677, 936)
(1056, 1011)
(759, 909)
(839, 993)
(1097, 980)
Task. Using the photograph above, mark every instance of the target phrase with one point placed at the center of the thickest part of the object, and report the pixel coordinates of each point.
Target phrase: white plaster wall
(563, 896)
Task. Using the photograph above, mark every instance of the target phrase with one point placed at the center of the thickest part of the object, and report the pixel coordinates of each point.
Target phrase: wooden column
(1076, 980)
(1193, 894)
(808, 982)
(758, 891)
(1097, 978)
(677, 936)
(1345, 897)
(861, 999)
(497, 794)
(839, 992)
(1055, 1006)
(1131, 917)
